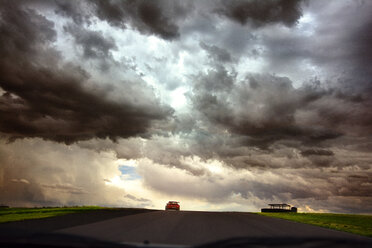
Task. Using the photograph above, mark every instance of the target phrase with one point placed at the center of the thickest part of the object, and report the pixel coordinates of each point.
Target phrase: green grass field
(353, 223)
(16, 214)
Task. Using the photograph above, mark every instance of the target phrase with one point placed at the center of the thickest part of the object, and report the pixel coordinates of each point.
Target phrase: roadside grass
(17, 214)
(353, 223)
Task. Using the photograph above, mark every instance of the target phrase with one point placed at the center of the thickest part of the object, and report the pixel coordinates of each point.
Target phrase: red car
(172, 205)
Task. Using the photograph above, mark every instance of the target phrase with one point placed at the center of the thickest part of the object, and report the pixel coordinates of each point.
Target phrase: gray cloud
(260, 13)
(53, 100)
(28, 179)
(94, 44)
(216, 53)
(164, 18)
(147, 16)
(262, 109)
(335, 42)
(77, 10)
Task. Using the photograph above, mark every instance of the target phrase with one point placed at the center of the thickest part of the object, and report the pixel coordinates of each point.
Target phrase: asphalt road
(191, 228)
(69, 220)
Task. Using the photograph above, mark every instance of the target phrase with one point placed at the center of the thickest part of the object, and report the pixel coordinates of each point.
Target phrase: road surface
(191, 228)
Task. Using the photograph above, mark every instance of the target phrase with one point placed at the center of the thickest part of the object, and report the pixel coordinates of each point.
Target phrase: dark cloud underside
(49, 99)
(263, 109)
(261, 13)
(146, 16)
(94, 44)
(162, 17)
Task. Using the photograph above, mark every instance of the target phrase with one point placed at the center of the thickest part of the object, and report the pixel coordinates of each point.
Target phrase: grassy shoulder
(353, 223)
(17, 214)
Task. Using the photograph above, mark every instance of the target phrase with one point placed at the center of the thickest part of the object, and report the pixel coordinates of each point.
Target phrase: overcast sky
(221, 105)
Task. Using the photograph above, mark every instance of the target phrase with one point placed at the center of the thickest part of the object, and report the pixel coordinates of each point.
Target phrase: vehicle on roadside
(172, 205)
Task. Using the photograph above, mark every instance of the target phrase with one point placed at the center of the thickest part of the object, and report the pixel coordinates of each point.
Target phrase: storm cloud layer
(239, 103)
(48, 98)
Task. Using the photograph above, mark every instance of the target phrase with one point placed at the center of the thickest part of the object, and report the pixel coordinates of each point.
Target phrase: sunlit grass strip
(16, 214)
(353, 223)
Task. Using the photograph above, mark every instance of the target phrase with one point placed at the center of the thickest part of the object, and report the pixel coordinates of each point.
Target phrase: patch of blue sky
(129, 171)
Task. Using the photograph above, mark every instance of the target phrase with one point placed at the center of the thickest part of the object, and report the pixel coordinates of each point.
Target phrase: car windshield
(186, 122)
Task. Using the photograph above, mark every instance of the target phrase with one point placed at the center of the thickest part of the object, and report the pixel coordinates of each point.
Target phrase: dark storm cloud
(347, 25)
(361, 45)
(260, 13)
(44, 98)
(77, 10)
(148, 17)
(353, 35)
(216, 53)
(262, 109)
(262, 123)
(164, 17)
(326, 188)
(94, 44)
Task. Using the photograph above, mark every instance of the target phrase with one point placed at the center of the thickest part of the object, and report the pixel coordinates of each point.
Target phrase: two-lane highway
(191, 227)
